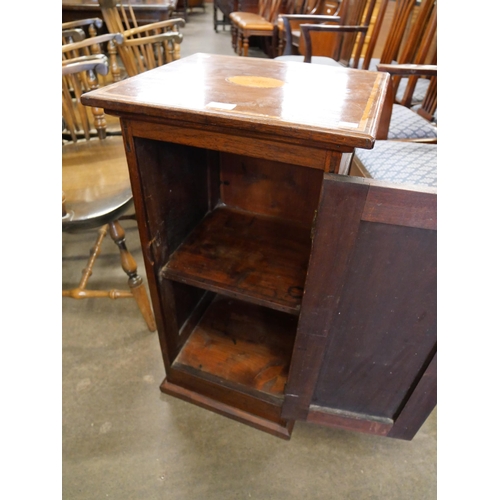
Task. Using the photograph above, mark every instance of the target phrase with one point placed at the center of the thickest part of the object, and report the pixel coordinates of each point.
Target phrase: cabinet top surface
(296, 100)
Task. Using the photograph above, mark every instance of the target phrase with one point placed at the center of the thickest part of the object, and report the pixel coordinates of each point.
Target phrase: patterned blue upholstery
(407, 124)
(419, 92)
(410, 163)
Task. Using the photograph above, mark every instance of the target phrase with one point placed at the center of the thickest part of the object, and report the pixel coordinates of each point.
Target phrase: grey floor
(123, 439)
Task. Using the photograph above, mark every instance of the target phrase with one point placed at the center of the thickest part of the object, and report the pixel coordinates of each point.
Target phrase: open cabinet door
(365, 352)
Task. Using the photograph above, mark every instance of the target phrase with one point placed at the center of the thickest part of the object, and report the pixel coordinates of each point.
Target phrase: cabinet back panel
(269, 187)
(385, 329)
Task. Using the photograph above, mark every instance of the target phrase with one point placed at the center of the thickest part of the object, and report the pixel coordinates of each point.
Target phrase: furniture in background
(225, 7)
(95, 182)
(145, 11)
(105, 45)
(410, 38)
(74, 31)
(184, 6)
(282, 290)
(339, 47)
(261, 24)
(413, 123)
(144, 46)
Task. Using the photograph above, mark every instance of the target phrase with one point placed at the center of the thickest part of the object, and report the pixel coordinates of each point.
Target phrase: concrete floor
(123, 439)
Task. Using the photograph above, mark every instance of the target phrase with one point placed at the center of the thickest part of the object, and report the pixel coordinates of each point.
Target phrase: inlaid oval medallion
(256, 81)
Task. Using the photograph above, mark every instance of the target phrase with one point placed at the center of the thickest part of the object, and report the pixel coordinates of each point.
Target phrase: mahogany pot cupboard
(283, 290)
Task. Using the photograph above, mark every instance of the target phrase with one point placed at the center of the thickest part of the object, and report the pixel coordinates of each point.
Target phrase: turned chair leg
(245, 46)
(135, 281)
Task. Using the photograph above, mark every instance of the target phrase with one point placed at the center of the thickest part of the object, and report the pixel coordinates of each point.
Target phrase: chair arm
(75, 34)
(97, 64)
(409, 69)
(117, 37)
(306, 33)
(161, 37)
(154, 26)
(82, 59)
(96, 21)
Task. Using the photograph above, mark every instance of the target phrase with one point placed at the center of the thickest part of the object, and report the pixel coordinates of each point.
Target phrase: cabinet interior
(236, 239)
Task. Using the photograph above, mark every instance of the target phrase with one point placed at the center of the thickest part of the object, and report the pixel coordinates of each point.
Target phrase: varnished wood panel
(280, 428)
(402, 207)
(269, 187)
(385, 324)
(252, 145)
(422, 400)
(257, 258)
(339, 211)
(200, 91)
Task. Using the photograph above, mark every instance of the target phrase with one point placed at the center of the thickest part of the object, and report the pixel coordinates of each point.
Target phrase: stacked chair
(95, 182)
(95, 179)
(146, 46)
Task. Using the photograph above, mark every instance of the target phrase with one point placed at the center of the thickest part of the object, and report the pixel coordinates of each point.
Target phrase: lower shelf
(236, 362)
(241, 345)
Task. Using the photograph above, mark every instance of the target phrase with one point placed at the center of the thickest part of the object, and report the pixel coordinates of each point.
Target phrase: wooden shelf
(242, 346)
(247, 256)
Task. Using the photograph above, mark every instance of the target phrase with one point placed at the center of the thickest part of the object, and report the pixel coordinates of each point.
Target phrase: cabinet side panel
(385, 328)
(176, 192)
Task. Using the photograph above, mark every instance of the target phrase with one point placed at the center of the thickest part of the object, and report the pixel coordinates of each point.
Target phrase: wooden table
(282, 290)
(146, 11)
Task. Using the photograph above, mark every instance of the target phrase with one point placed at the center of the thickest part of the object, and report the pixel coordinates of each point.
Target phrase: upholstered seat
(248, 20)
(399, 162)
(406, 124)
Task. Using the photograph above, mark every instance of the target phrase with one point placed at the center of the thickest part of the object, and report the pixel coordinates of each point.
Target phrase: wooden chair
(411, 38)
(89, 27)
(247, 24)
(145, 46)
(413, 123)
(349, 13)
(95, 182)
(409, 155)
(302, 8)
(324, 43)
(88, 48)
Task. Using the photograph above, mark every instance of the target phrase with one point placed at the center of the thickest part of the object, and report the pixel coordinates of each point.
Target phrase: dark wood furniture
(261, 24)
(146, 11)
(282, 290)
(225, 7)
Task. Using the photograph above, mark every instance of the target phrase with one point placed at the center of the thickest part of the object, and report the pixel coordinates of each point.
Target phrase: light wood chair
(262, 24)
(87, 48)
(95, 182)
(144, 46)
(74, 31)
